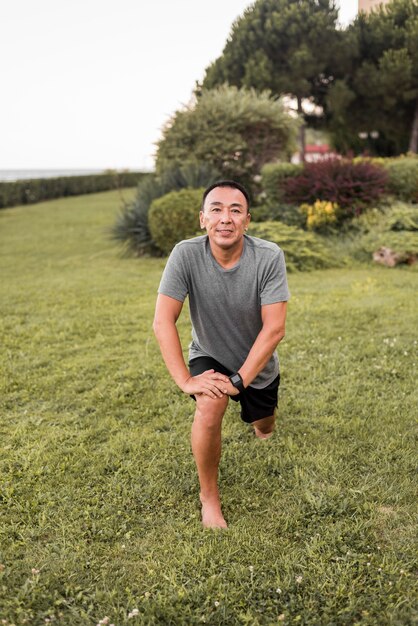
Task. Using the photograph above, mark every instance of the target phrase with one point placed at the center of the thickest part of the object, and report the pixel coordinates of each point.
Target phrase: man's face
(225, 216)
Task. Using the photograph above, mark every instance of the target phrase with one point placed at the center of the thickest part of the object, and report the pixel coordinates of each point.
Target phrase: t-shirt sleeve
(174, 282)
(274, 287)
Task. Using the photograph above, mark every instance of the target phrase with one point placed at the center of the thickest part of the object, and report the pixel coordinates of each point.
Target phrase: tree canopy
(287, 46)
(364, 78)
(375, 104)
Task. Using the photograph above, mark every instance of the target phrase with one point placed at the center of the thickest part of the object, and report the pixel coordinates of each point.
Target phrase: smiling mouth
(223, 230)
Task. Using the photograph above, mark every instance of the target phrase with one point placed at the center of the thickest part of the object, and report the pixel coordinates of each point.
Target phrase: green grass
(99, 495)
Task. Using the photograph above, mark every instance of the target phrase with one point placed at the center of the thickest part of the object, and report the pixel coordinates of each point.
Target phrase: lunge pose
(237, 289)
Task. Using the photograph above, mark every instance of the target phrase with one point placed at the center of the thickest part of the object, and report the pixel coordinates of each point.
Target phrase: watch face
(235, 379)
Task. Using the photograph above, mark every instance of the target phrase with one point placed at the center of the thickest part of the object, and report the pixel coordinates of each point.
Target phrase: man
(237, 290)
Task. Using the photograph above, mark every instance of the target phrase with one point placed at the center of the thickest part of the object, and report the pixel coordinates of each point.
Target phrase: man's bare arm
(272, 332)
(210, 383)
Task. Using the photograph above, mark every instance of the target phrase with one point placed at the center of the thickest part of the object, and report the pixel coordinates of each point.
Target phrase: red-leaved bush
(353, 186)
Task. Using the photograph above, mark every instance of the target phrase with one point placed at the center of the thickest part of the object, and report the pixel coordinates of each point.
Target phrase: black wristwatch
(237, 381)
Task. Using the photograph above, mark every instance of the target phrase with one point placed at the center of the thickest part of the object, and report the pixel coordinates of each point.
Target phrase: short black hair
(227, 183)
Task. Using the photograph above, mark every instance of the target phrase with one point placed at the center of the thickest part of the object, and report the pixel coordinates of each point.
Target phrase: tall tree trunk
(302, 133)
(413, 143)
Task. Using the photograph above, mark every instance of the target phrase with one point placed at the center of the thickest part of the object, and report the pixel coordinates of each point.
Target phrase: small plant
(320, 215)
(303, 251)
(174, 217)
(352, 185)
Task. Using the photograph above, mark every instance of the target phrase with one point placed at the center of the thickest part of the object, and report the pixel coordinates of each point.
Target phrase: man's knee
(210, 411)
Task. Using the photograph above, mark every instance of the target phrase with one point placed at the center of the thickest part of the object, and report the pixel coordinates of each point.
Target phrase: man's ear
(201, 220)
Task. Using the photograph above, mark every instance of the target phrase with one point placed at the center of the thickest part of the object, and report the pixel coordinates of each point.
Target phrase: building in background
(368, 5)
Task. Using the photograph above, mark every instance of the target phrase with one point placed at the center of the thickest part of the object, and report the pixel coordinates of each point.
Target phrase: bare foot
(211, 514)
(261, 435)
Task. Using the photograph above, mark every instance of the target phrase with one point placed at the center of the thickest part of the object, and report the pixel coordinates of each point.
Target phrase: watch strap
(237, 382)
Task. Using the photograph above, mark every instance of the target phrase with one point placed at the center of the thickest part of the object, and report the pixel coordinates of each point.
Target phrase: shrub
(399, 216)
(352, 185)
(320, 215)
(280, 212)
(401, 242)
(272, 177)
(235, 130)
(174, 217)
(394, 227)
(131, 227)
(38, 189)
(403, 177)
(303, 251)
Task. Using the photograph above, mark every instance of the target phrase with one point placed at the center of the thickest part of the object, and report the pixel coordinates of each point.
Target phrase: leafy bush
(280, 212)
(352, 185)
(401, 242)
(403, 177)
(303, 251)
(394, 227)
(39, 189)
(174, 217)
(131, 227)
(399, 216)
(272, 177)
(320, 215)
(235, 130)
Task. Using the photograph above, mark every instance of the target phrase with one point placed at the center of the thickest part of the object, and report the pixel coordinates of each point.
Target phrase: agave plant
(131, 226)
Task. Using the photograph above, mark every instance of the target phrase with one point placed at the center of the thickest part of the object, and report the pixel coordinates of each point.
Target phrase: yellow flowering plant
(320, 214)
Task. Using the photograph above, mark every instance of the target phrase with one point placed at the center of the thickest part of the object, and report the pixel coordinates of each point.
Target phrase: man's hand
(231, 390)
(211, 383)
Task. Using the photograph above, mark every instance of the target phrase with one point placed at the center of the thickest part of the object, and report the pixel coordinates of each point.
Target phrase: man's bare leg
(263, 429)
(206, 446)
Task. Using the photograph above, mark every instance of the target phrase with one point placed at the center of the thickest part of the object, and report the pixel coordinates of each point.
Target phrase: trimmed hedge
(38, 189)
(303, 251)
(174, 217)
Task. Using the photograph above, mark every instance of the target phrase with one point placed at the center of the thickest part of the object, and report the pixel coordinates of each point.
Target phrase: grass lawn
(99, 495)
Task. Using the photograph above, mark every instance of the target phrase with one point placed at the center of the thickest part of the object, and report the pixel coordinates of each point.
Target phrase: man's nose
(225, 217)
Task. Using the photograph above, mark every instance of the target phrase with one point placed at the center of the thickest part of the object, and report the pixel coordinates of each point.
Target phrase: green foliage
(403, 177)
(394, 226)
(99, 492)
(131, 226)
(235, 130)
(373, 104)
(38, 189)
(287, 213)
(174, 217)
(399, 241)
(303, 251)
(286, 46)
(272, 177)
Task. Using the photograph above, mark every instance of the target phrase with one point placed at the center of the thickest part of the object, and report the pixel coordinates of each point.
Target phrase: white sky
(90, 83)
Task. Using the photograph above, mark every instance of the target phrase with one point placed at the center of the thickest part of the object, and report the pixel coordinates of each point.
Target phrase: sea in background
(11, 175)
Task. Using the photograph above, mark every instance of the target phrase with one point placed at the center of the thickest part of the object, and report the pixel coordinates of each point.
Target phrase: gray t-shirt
(225, 304)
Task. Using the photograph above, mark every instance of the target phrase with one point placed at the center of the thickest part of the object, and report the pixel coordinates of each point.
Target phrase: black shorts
(255, 403)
